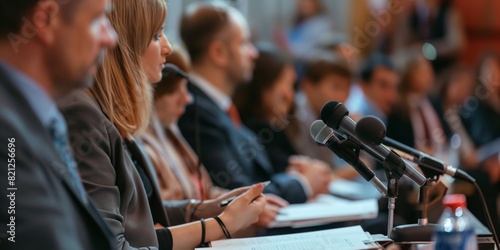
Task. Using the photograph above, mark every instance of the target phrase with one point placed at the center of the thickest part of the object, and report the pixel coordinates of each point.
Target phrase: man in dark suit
(217, 38)
(47, 48)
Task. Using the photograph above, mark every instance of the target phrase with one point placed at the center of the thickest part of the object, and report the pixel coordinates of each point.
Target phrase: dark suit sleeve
(224, 160)
(92, 147)
(224, 169)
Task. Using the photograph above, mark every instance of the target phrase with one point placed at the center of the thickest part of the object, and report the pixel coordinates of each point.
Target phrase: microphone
(372, 129)
(344, 149)
(335, 115)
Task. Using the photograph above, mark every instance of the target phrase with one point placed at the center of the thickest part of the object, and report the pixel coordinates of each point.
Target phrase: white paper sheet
(325, 209)
(340, 238)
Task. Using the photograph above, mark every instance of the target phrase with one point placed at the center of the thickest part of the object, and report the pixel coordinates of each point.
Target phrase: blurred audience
(309, 25)
(266, 102)
(481, 119)
(415, 122)
(433, 27)
(325, 79)
(180, 174)
(379, 82)
(222, 59)
(455, 86)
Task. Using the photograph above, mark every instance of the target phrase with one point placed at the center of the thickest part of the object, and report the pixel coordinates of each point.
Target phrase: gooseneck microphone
(344, 149)
(372, 129)
(335, 115)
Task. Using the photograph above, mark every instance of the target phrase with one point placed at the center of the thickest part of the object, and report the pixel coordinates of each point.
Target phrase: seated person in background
(415, 122)
(222, 58)
(326, 78)
(379, 82)
(265, 104)
(454, 88)
(481, 118)
(176, 164)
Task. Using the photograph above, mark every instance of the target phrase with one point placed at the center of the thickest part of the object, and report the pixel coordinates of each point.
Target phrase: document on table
(341, 238)
(353, 190)
(325, 209)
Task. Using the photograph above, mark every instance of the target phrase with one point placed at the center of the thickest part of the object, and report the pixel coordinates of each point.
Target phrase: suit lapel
(135, 148)
(236, 135)
(41, 144)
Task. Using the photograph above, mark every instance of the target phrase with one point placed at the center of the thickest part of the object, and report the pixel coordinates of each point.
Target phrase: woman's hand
(244, 211)
(271, 210)
(210, 208)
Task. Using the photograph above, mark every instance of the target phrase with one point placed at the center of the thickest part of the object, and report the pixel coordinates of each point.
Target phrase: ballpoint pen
(226, 202)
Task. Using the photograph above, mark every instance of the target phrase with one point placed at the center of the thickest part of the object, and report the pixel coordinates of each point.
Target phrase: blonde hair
(121, 86)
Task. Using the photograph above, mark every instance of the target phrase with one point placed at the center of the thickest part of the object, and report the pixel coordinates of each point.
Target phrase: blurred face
(241, 52)
(382, 89)
(154, 56)
(422, 78)
(307, 8)
(79, 43)
(332, 87)
(460, 87)
(280, 97)
(490, 76)
(170, 107)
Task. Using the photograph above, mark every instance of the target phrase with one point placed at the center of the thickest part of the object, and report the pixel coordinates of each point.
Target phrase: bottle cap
(454, 201)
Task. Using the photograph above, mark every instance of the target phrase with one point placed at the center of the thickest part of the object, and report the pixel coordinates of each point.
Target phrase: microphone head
(371, 129)
(320, 132)
(332, 113)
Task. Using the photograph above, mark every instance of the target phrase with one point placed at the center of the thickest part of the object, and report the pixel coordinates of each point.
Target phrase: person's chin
(155, 80)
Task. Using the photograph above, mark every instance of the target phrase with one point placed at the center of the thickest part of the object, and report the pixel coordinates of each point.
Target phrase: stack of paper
(353, 190)
(340, 238)
(325, 209)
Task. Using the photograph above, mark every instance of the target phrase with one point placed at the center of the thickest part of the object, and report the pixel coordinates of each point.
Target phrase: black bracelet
(202, 231)
(223, 227)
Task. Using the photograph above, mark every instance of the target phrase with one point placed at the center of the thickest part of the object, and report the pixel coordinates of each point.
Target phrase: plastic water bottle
(455, 230)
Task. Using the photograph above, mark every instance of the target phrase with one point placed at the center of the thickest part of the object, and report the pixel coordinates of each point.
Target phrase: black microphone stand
(422, 231)
(392, 194)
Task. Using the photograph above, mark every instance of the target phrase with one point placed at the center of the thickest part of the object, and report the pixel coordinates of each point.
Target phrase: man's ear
(46, 18)
(218, 53)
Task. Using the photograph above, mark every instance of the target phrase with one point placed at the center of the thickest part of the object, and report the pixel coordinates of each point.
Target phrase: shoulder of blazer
(18, 117)
(23, 122)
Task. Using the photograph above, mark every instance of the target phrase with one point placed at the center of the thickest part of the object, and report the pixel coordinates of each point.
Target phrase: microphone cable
(488, 216)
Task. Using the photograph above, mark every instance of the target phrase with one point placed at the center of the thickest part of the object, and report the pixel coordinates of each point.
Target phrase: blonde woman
(104, 120)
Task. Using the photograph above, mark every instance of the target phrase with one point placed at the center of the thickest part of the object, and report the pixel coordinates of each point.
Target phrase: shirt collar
(221, 99)
(40, 102)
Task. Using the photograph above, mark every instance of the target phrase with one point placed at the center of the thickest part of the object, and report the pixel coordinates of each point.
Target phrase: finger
(260, 201)
(252, 194)
(276, 200)
(272, 209)
(234, 192)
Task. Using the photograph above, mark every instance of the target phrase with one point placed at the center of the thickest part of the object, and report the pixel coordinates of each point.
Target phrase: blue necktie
(57, 129)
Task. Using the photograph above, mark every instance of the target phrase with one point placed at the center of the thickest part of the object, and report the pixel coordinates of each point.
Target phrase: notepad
(325, 209)
(341, 238)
